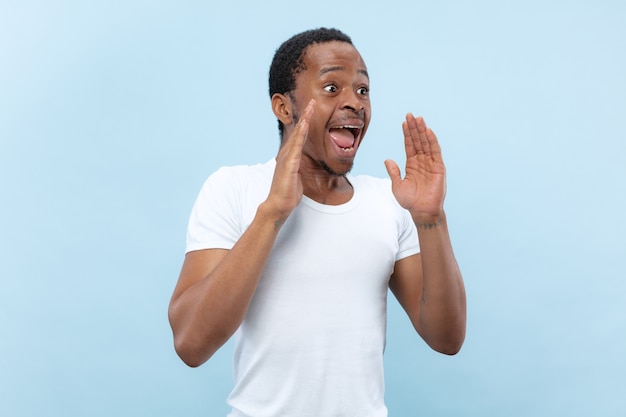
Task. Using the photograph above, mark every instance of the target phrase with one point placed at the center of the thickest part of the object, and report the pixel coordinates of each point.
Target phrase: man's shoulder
(246, 169)
(260, 171)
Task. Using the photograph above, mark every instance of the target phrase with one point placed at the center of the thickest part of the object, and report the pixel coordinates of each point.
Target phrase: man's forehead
(328, 69)
(334, 56)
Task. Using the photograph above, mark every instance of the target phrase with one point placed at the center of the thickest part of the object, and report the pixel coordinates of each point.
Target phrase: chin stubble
(332, 172)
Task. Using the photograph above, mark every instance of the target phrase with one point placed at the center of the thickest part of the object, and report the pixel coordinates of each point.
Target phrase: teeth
(355, 130)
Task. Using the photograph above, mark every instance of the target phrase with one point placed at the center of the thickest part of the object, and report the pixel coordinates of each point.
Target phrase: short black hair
(289, 59)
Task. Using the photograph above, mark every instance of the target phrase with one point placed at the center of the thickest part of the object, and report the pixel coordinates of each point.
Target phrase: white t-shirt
(312, 341)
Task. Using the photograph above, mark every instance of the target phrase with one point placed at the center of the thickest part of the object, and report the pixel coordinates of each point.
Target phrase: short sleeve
(215, 220)
(408, 241)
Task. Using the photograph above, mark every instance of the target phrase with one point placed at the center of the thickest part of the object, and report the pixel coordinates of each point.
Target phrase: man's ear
(282, 108)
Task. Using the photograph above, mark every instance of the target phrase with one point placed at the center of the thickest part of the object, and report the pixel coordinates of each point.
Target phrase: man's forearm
(206, 314)
(443, 304)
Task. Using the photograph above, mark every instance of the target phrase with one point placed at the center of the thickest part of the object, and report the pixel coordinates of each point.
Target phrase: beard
(332, 172)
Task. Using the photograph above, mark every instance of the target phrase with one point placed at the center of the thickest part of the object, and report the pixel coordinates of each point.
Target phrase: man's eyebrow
(340, 68)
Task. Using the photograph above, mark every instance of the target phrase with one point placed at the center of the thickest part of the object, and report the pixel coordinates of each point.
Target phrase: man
(295, 256)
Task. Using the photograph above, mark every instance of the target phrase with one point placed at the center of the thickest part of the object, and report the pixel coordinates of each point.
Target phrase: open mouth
(345, 137)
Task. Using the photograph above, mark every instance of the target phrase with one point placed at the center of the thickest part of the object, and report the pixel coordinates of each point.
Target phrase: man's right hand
(286, 190)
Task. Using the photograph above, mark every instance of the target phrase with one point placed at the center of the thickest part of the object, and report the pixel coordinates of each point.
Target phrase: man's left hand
(423, 188)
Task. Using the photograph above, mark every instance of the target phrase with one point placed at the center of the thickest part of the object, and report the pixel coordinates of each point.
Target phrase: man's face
(336, 77)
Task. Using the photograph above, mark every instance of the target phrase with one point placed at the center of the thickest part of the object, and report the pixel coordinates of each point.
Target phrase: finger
(298, 137)
(303, 124)
(429, 140)
(310, 109)
(414, 133)
(303, 127)
(435, 148)
(394, 172)
(422, 135)
(409, 147)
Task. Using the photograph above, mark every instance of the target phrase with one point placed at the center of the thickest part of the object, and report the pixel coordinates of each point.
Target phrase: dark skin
(331, 97)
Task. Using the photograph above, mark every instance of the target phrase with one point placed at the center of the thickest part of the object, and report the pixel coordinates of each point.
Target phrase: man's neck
(327, 189)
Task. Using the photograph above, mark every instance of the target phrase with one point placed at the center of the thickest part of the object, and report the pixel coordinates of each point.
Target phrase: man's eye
(330, 88)
(363, 91)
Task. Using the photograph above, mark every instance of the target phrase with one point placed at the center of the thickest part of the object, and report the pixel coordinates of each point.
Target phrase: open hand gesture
(423, 188)
(286, 190)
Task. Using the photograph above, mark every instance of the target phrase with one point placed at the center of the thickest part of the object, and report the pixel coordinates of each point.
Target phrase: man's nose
(351, 101)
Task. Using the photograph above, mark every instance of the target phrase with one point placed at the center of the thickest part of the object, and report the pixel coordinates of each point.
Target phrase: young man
(295, 256)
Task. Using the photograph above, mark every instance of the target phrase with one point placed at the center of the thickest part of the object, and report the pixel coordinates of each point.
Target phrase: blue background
(112, 114)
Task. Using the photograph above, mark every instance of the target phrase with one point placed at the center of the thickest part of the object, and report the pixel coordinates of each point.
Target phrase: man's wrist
(428, 221)
(267, 214)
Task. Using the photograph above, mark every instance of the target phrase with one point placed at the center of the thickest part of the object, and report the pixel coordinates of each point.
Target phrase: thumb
(394, 171)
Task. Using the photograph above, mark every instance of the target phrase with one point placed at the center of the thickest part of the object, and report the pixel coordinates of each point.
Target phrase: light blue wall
(112, 114)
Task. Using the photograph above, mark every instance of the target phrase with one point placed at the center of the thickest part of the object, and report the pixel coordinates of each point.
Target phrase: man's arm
(429, 285)
(214, 290)
(216, 286)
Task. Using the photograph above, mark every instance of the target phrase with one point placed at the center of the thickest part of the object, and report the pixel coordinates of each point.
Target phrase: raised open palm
(423, 188)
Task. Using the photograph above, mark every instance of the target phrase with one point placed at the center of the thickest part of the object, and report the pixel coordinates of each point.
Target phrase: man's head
(289, 59)
(322, 65)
